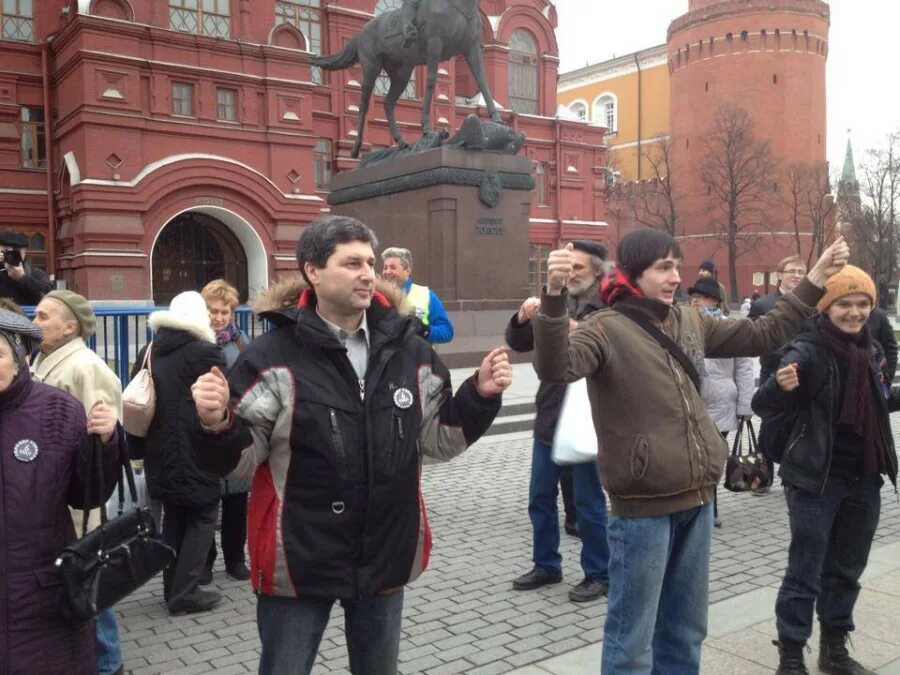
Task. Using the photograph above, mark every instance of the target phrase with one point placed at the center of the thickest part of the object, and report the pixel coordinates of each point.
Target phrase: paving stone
(478, 510)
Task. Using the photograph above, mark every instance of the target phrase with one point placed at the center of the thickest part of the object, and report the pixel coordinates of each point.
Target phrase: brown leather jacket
(659, 451)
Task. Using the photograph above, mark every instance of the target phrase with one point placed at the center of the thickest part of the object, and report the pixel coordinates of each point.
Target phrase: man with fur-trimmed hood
(331, 412)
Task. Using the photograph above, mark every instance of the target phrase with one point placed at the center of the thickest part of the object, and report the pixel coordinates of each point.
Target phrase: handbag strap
(736, 443)
(148, 362)
(94, 475)
(664, 341)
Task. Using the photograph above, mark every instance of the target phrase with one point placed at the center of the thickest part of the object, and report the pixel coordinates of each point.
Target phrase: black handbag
(745, 472)
(118, 557)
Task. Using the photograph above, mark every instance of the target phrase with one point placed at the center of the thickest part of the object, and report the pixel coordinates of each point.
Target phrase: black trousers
(189, 530)
(234, 531)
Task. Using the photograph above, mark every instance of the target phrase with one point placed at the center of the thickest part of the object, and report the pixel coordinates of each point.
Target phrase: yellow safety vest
(419, 298)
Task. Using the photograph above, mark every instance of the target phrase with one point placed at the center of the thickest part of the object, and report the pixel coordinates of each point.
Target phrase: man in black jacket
(18, 279)
(331, 413)
(883, 333)
(590, 503)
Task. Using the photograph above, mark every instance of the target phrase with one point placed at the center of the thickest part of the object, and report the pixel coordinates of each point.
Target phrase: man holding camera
(18, 279)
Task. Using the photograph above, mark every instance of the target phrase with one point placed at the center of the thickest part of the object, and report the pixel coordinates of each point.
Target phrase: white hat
(187, 312)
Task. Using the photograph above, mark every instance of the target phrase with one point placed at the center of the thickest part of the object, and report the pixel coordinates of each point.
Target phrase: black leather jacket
(812, 407)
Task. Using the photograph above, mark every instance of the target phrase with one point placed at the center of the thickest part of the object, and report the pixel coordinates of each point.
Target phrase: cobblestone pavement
(462, 616)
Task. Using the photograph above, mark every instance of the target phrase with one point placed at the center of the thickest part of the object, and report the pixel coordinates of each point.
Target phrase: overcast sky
(863, 70)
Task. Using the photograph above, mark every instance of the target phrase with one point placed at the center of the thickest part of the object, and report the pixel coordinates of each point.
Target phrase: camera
(12, 257)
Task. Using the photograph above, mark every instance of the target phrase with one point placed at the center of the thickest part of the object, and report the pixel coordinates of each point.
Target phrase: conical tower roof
(848, 173)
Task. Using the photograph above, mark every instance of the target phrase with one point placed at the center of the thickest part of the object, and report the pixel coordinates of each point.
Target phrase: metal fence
(123, 331)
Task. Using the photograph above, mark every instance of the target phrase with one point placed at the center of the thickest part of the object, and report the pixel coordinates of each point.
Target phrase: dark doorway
(192, 250)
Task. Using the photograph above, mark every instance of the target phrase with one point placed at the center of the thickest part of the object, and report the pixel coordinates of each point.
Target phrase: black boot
(833, 655)
(790, 658)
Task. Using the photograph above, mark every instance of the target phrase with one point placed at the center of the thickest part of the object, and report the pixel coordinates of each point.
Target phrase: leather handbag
(746, 472)
(117, 558)
(139, 399)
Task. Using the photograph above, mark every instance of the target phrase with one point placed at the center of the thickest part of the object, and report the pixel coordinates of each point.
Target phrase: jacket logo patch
(25, 450)
(403, 398)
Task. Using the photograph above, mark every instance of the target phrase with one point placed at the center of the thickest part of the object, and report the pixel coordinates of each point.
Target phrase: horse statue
(438, 30)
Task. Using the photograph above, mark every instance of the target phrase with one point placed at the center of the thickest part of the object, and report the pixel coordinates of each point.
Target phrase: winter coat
(179, 356)
(727, 388)
(810, 410)
(549, 399)
(336, 509)
(659, 450)
(29, 289)
(35, 526)
(767, 362)
(75, 368)
(883, 333)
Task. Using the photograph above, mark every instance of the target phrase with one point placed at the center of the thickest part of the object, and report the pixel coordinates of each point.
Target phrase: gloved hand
(422, 328)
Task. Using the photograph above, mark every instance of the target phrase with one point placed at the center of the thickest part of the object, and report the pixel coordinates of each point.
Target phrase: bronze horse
(443, 29)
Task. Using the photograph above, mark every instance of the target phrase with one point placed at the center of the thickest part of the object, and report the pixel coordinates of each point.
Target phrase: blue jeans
(658, 592)
(109, 655)
(831, 536)
(290, 630)
(590, 513)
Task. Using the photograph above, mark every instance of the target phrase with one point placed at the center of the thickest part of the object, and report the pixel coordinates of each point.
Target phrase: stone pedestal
(462, 213)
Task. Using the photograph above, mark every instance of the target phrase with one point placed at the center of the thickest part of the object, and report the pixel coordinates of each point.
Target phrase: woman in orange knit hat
(831, 401)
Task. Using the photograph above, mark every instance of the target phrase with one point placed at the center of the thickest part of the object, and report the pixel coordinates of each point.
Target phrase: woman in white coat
(727, 387)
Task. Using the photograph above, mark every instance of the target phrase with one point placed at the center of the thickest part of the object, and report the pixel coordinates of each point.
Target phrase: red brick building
(147, 146)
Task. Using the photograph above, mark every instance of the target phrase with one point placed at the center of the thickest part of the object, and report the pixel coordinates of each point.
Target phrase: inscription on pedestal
(486, 225)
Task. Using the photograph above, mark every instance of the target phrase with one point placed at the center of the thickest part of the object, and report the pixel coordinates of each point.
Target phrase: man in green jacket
(660, 454)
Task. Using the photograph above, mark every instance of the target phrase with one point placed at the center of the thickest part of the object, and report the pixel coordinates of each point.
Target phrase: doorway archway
(193, 249)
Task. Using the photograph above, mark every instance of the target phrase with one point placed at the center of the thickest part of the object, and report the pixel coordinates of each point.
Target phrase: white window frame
(601, 117)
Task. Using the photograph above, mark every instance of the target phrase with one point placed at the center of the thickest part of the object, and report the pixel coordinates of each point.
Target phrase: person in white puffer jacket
(727, 386)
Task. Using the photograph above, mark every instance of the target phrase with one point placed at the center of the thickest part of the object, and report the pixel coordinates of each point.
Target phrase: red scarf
(617, 284)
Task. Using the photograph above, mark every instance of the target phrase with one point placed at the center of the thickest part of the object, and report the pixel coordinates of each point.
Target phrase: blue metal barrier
(123, 331)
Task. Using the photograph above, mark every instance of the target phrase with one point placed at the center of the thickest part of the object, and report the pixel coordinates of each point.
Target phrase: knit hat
(708, 265)
(186, 312)
(81, 308)
(849, 280)
(707, 286)
(22, 336)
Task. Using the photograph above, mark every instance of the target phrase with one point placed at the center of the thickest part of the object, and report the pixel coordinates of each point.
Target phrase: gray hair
(396, 252)
(318, 241)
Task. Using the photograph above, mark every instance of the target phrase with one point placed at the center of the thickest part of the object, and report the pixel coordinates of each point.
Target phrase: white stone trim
(172, 159)
(103, 254)
(21, 191)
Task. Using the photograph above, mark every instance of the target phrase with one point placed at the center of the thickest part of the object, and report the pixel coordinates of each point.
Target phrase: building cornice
(617, 67)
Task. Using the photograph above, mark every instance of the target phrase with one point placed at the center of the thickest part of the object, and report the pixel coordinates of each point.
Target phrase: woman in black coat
(829, 403)
(183, 348)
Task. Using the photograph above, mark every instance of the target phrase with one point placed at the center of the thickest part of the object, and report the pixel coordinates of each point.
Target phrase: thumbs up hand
(211, 395)
(559, 269)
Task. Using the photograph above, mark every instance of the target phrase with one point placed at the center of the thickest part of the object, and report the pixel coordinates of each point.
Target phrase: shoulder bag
(139, 399)
(665, 342)
(117, 558)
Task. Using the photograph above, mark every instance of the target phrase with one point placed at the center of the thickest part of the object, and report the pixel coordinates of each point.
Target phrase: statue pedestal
(463, 214)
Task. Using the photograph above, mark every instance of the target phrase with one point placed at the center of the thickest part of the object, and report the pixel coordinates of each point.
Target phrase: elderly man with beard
(590, 504)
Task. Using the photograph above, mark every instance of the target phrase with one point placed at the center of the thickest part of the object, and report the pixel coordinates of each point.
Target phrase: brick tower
(767, 57)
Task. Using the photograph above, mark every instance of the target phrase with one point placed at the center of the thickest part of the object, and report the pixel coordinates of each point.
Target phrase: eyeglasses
(794, 271)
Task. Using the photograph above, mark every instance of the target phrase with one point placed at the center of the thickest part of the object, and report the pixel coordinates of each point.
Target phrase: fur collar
(197, 326)
(285, 295)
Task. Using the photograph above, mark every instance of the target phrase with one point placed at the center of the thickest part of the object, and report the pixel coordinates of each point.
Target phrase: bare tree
(738, 171)
(805, 191)
(876, 227)
(654, 203)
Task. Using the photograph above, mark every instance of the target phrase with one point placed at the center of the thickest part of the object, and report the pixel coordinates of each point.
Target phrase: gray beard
(577, 303)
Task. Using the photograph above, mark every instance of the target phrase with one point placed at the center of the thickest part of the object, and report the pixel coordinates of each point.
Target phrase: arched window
(523, 73)
(383, 83)
(306, 16)
(606, 112)
(580, 109)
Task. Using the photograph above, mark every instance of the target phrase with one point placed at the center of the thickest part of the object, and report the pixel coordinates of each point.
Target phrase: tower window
(774, 78)
(523, 73)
